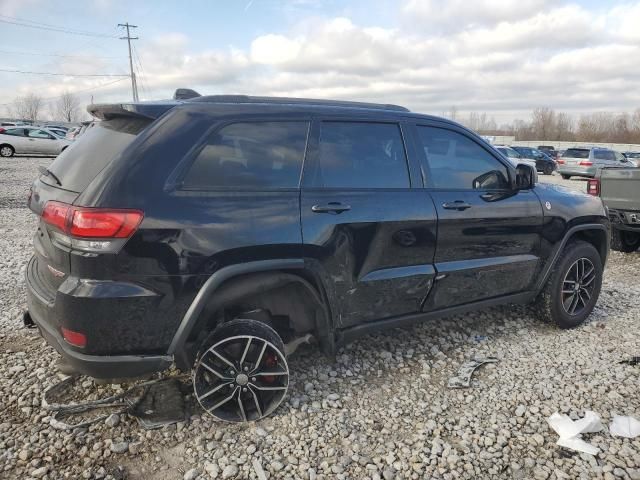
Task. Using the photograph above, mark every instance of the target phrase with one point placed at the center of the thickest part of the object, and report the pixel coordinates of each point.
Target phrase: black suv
(219, 232)
(544, 163)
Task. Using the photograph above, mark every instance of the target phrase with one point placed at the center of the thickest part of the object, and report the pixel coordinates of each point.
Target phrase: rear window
(576, 153)
(79, 164)
(253, 155)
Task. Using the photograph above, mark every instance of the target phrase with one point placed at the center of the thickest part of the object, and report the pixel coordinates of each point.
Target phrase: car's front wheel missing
(573, 287)
(241, 373)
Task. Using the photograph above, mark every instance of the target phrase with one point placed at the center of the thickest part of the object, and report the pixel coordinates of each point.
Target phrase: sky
(502, 57)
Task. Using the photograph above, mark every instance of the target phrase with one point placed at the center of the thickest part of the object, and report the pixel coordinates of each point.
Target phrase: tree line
(32, 107)
(547, 124)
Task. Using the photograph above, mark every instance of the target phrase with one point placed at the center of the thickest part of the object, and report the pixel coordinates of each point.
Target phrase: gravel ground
(382, 410)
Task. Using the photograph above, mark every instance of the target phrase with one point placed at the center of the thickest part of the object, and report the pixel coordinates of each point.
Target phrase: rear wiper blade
(46, 172)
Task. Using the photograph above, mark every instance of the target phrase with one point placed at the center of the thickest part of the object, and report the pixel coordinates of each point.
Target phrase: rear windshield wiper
(48, 173)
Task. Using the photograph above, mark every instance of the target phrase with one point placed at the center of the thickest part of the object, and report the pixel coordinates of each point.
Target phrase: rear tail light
(586, 163)
(560, 161)
(76, 339)
(2, 130)
(593, 187)
(91, 229)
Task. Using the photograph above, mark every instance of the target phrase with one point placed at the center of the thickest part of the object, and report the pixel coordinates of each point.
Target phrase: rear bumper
(577, 170)
(43, 312)
(625, 219)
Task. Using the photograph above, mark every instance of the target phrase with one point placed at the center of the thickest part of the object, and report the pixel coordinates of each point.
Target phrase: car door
(17, 139)
(488, 242)
(42, 142)
(367, 224)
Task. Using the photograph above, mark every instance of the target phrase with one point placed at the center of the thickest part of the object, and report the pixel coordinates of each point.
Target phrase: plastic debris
(148, 402)
(627, 427)
(465, 372)
(569, 431)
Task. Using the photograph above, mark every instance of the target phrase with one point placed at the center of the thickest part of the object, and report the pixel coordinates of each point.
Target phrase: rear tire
(241, 374)
(573, 287)
(565, 177)
(548, 170)
(7, 151)
(624, 241)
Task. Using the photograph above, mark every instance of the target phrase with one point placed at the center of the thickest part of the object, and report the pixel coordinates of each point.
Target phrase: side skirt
(347, 335)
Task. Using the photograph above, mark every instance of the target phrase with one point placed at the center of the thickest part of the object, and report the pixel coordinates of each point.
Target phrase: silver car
(514, 157)
(585, 162)
(30, 141)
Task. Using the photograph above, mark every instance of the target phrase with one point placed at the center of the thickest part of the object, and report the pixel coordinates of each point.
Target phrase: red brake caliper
(270, 361)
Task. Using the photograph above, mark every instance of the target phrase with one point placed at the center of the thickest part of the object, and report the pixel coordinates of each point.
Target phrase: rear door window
(254, 155)
(361, 155)
(604, 155)
(79, 164)
(16, 132)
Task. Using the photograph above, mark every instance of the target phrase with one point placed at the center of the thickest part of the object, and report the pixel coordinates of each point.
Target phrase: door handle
(331, 207)
(457, 205)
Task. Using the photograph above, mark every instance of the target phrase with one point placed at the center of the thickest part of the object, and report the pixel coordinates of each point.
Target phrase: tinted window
(361, 155)
(457, 162)
(78, 165)
(576, 153)
(18, 132)
(254, 155)
(603, 155)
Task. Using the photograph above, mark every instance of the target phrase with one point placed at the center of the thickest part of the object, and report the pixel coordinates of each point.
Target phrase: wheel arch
(282, 287)
(596, 234)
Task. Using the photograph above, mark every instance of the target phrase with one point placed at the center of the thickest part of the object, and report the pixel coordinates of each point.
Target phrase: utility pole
(128, 38)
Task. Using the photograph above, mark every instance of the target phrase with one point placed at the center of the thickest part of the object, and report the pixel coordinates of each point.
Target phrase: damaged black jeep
(218, 233)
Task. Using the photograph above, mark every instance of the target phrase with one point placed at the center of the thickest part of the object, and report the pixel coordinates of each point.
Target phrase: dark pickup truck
(619, 189)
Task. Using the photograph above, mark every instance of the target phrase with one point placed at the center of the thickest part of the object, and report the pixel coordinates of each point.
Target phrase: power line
(62, 74)
(15, 52)
(52, 28)
(143, 74)
(128, 38)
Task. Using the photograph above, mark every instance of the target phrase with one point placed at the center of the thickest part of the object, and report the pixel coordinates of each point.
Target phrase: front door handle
(457, 205)
(331, 207)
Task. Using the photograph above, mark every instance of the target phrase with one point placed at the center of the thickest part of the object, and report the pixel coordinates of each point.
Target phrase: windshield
(78, 165)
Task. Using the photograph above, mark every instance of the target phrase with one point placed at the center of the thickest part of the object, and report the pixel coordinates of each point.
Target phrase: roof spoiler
(151, 111)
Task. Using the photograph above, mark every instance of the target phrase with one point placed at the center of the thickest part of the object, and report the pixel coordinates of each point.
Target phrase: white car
(30, 140)
(514, 157)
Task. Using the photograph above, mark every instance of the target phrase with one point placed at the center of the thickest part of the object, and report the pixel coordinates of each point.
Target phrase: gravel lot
(381, 411)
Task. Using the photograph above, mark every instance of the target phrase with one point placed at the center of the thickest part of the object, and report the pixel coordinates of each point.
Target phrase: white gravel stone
(395, 417)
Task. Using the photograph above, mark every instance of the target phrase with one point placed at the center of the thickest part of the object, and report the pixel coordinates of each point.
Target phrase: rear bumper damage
(41, 311)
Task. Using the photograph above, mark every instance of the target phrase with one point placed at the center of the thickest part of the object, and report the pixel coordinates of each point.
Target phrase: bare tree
(67, 107)
(543, 121)
(27, 107)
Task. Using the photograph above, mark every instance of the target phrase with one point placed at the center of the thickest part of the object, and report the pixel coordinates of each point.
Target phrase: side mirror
(526, 177)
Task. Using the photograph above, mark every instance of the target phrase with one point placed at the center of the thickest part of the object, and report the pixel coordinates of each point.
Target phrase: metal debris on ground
(631, 361)
(627, 427)
(153, 403)
(569, 431)
(465, 372)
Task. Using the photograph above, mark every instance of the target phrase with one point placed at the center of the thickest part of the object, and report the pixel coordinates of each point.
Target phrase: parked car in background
(549, 150)
(584, 162)
(544, 163)
(59, 133)
(514, 157)
(11, 124)
(619, 189)
(633, 157)
(28, 140)
(56, 127)
(75, 132)
(193, 232)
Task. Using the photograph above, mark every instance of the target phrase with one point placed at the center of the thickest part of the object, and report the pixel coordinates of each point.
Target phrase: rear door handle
(457, 205)
(331, 207)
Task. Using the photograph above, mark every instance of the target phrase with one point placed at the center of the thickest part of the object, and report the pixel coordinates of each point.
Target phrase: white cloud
(503, 57)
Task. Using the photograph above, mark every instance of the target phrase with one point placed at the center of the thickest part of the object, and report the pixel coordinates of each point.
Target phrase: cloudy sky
(503, 57)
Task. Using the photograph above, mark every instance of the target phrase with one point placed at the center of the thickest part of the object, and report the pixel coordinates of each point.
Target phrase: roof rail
(297, 101)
